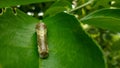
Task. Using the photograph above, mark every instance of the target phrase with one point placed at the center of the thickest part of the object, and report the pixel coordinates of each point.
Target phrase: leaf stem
(83, 5)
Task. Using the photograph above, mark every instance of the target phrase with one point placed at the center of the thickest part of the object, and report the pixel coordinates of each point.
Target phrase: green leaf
(105, 18)
(9, 3)
(69, 46)
(18, 48)
(57, 7)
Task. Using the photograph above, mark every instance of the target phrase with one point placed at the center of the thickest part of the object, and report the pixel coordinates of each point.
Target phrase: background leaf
(105, 18)
(57, 7)
(9, 3)
(101, 3)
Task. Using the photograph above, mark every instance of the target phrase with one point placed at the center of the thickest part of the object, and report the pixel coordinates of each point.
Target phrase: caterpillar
(41, 31)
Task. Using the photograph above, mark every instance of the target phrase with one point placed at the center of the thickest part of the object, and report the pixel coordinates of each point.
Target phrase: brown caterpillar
(41, 31)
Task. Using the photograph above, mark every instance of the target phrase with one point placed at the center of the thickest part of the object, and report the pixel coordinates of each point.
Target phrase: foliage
(73, 26)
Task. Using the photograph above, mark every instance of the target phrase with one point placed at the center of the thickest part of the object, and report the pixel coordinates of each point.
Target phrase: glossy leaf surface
(105, 18)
